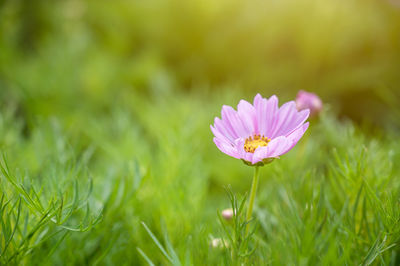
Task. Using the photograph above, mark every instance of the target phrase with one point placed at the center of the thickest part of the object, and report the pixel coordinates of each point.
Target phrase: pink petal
(287, 119)
(259, 155)
(226, 148)
(257, 99)
(224, 130)
(273, 150)
(292, 139)
(260, 105)
(272, 110)
(277, 147)
(247, 156)
(220, 135)
(247, 114)
(296, 135)
(232, 121)
(297, 120)
(266, 111)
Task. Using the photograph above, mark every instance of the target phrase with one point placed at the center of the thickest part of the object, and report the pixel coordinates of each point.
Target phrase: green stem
(252, 197)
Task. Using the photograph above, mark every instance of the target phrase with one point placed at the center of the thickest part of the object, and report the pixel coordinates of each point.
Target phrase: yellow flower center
(253, 142)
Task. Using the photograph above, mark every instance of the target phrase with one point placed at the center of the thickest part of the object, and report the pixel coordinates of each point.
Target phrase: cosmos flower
(308, 100)
(260, 132)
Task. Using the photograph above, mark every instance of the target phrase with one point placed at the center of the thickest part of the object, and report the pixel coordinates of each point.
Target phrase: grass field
(107, 156)
(77, 190)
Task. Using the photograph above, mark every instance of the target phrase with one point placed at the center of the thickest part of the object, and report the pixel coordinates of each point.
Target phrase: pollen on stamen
(255, 141)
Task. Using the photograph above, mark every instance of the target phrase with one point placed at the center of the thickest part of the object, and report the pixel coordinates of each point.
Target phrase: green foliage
(142, 184)
(106, 153)
(239, 246)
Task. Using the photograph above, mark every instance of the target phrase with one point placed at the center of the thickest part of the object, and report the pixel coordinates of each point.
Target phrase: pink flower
(260, 132)
(308, 100)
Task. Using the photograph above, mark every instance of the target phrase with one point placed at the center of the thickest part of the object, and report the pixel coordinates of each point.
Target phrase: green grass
(144, 183)
(107, 158)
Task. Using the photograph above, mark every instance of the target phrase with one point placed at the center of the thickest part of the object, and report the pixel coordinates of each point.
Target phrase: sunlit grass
(106, 152)
(90, 185)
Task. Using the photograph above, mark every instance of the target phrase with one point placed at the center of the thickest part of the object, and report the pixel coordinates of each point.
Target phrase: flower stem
(252, 197)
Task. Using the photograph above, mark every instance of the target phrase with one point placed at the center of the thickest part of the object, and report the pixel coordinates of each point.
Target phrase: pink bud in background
(308, 100)
(227, 214)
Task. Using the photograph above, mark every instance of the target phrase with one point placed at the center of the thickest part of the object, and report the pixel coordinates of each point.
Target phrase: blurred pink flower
(227, 214)
(260, 132)
(308, 100)
(395, 3)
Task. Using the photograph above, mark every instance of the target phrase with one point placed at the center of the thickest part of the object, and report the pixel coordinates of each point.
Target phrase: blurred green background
(60, 55)
(123, 92)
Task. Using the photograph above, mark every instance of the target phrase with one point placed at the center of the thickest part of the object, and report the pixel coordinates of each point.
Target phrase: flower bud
(308, 100)
(218, 243)
(227, 214)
